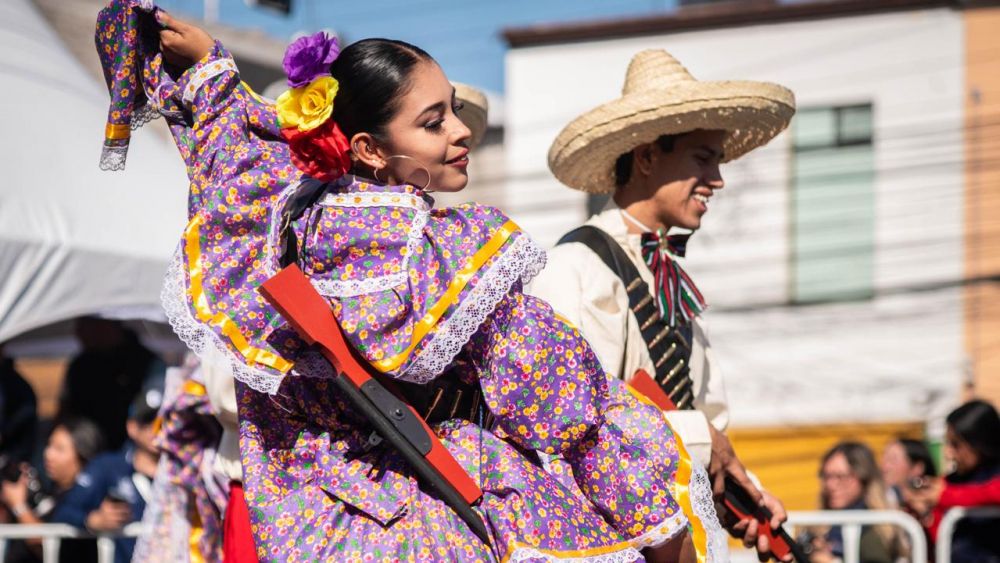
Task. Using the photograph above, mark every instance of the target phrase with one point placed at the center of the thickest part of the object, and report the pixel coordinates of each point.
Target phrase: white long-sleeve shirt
(221, 389)
(579, 286)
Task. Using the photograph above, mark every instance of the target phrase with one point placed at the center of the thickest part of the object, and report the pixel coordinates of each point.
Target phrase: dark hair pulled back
(373, 74)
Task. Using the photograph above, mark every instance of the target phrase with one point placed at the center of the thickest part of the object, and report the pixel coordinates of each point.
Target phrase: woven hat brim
(752, 113)
(474, 113)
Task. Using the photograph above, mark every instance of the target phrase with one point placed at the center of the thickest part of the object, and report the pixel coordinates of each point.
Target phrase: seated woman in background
(906, 462)
(850, 480)
(972, 446)
(72, 443)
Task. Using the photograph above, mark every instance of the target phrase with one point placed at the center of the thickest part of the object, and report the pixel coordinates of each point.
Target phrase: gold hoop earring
(419, 164)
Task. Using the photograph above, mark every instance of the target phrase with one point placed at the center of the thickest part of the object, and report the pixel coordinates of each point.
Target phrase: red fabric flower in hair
(323, 153)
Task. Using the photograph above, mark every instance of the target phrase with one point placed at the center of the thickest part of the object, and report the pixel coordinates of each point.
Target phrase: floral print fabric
(314, 487)
(189, 497)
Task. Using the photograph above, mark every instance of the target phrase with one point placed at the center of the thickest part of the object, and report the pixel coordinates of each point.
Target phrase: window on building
(283, 6)
(833, 204)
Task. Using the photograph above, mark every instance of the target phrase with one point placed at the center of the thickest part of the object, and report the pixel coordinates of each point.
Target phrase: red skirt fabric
(237, 539)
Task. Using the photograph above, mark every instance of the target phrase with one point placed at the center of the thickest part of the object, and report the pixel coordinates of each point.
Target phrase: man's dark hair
(623, 166)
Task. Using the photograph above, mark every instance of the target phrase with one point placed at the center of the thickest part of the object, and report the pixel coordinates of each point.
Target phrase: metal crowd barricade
(851, 521)
(52, 536)
(946, 530)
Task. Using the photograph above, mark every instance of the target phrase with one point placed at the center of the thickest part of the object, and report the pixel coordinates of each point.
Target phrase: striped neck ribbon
(677, 297)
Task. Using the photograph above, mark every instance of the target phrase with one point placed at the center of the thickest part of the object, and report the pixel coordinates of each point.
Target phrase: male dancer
(657, 151)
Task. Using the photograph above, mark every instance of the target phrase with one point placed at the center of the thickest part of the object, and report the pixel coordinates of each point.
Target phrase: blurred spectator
(113, 489)
(906, 462)
(18, 409)
(72, 443)
(972, 445)
(850, 480)
(104, 377)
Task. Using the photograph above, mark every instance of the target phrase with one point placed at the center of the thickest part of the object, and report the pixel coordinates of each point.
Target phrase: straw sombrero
(661, 97)
(474, 113)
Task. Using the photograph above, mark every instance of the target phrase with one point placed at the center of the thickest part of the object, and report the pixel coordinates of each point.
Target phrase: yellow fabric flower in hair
(307, 107)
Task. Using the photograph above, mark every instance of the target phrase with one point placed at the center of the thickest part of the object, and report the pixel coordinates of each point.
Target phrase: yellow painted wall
(787, 459)
(982, 201)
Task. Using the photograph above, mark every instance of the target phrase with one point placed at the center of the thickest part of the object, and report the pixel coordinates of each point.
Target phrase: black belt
(447, 398)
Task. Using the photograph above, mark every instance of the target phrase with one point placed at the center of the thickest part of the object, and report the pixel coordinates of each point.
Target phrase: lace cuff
(218, 61)
(204, 74)
(113, 157)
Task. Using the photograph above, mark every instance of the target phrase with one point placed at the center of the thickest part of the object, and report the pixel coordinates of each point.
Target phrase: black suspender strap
(306, 194)
(669, 347)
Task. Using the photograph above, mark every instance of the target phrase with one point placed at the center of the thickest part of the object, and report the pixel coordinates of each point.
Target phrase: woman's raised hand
(181, 43)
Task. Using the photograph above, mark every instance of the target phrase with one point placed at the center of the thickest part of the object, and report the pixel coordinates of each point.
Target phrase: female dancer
(429, 297)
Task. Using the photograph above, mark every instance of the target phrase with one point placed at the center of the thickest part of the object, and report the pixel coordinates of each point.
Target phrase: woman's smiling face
(426, 142)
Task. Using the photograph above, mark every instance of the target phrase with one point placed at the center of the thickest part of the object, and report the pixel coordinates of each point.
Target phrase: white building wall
(898, 356)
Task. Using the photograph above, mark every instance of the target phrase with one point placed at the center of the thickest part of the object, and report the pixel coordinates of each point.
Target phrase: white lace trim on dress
(703, 505)
(521, 261)
(662, 533)
(624, 555)
(204, 74)
(271, 265)
(374, 199)
(350, 288)
(199, 337)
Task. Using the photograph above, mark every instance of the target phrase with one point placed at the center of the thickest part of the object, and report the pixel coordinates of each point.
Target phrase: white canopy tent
(75, 240)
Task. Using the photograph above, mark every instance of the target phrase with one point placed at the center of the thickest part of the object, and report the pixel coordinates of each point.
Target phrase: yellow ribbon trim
(116, 131)
(204, 312)
(699, 537)
(565, 321)
(254, 94)
(682, 481)
(194, 388)
(456, 286)
(196, 533)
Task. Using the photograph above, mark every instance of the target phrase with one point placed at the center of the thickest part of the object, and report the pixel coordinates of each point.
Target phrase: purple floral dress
(422, 294)
(189, 497)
